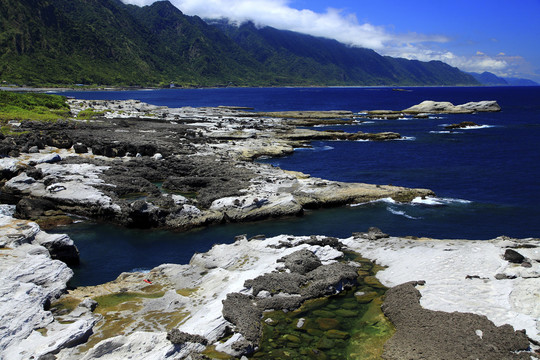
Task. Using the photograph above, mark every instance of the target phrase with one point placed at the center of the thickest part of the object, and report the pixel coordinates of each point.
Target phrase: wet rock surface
(427, 334)
(307, 279)
(461, 125)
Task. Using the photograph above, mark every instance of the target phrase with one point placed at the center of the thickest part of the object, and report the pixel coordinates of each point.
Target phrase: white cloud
(332, 24)
(344, 27)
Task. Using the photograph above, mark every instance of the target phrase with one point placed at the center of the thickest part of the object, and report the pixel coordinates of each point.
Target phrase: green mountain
(56, 42)
(305, 58)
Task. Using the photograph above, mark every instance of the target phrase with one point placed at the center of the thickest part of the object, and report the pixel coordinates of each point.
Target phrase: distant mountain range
(59, 42)
(487, 78)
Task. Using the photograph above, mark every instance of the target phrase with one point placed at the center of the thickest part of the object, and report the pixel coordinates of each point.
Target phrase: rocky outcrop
(177, 310)
(31, 280)
(444, 107)
(191, 298)
(455, 281)
(175, 192)
(140, 165)
(461, 125)
(287, 289)
(427, 107)
(427, 334)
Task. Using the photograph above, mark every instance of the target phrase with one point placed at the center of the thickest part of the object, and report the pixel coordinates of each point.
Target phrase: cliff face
(108, 42)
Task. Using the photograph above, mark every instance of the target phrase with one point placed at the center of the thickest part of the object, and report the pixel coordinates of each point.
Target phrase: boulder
(301, 261)
(513, 256)
(80, 148)
(32, 208)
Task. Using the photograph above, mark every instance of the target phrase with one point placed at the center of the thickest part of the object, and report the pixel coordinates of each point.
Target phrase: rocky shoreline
(213, 306)
(140, 165)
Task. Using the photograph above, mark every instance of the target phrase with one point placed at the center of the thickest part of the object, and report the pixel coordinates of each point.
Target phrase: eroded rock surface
(140, 165)
(31, 280)
(428, 334)
(427, 107)
(176, 311)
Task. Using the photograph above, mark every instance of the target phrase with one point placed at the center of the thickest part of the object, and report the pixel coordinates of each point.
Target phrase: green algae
(116, 299)
(349, 325)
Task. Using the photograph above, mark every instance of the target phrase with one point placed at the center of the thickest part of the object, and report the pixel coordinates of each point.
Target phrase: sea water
(487, 177)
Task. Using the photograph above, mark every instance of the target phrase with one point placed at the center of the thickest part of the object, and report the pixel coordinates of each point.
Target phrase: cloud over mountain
(341, 26)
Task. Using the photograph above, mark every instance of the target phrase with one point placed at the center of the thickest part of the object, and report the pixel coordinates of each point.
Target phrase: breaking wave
(436, 201)
(401, 213)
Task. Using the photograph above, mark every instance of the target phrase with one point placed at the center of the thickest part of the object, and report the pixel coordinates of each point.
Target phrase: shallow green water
(349, 325)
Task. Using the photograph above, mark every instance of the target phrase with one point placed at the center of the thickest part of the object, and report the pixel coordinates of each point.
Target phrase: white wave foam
(406, 138)
(478, 127)
(469, 127)
(383, 200)
(361, 122)
(316, 148)
(401, 213)
(445, 132)
(141, 270)
(436, 201)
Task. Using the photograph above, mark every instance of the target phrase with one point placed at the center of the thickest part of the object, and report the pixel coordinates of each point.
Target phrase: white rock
(445, 265)
(30, 279)
(73, 183)
(152, 346)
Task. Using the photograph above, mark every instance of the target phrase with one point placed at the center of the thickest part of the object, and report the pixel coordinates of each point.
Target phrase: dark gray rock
(177, 337)
(242, 311)
(35, 173)
(33, 208)
(373, 233)
(80, 148)
(426, 334)
(59, 140)
(513, 256)
(461, 125)
(289, 283)
(301, 262)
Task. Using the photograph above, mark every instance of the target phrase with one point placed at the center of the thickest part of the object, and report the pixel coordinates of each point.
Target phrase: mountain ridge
(107, 42)
(490, 79)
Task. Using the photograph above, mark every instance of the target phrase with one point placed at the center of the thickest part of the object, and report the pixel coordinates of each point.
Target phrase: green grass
(8, 131)
(32, 106)
(90, 114)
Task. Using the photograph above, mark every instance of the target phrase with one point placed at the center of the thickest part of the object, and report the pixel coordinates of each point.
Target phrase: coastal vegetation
(32, 106)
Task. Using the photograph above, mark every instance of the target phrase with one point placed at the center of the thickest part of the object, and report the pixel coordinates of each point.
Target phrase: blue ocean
(487, 178)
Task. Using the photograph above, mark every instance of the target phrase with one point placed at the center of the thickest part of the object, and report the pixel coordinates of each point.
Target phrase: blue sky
(500, 36)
